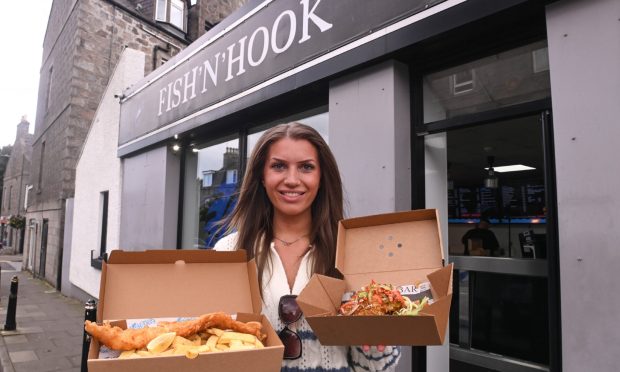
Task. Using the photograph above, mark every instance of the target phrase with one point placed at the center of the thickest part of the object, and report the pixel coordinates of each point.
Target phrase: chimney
(22, 127)
(231, 158)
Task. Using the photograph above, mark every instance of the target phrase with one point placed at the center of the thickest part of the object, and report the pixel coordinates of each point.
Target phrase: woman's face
(292, 176)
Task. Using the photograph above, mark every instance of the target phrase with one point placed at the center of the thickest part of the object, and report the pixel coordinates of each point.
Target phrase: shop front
(425, 104)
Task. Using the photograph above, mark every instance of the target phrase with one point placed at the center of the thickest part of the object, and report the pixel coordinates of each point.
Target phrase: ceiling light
(491, 181)
(511, 168)
(176, 147)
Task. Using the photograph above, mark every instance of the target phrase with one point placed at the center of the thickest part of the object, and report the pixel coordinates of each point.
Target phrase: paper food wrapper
(106, 353)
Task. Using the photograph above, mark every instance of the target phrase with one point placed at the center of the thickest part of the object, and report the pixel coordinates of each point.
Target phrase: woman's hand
(380, 348)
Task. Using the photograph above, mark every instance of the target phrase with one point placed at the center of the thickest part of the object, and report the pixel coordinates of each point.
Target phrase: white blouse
(314, 356)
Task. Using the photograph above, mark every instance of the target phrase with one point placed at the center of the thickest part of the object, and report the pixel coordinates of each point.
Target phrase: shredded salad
(381, 299)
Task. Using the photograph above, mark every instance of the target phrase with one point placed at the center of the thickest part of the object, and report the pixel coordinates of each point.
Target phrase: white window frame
(207, 178)
(231, 176)
(166, 14)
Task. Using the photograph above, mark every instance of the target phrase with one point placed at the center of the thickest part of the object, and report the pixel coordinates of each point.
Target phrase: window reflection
(217, 168)
(508, 78)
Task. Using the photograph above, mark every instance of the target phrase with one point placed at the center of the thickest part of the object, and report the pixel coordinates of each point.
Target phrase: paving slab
(50, 326)
(22, 356)
(16, 339)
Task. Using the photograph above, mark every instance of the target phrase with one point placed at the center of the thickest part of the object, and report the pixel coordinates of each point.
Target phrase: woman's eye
(278, 166)
(307, 167)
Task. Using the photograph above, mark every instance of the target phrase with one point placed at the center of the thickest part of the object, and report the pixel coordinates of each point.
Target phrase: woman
(286, 218)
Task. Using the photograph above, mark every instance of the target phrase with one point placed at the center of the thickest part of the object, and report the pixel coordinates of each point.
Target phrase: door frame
(43, 251)
(541, 107)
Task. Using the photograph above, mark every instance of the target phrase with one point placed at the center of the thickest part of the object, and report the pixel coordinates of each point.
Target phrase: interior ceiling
(516, 141)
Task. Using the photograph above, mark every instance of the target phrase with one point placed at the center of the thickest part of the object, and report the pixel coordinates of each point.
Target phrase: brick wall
(211, 11)
(82, 45)
(17, 173)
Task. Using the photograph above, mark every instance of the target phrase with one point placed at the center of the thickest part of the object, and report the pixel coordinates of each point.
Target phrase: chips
(211, 341)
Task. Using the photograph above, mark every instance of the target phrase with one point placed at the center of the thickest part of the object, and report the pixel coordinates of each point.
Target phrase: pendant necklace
(286, 243)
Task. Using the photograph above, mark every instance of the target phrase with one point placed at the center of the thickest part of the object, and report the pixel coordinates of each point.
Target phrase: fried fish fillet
(117, 338)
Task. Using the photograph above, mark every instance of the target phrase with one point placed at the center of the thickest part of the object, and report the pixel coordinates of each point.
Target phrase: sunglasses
(289, 313)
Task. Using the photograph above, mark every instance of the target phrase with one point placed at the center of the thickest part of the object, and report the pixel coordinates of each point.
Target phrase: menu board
(468, 202)
(488, 200)
(534, 200)
(518, 201)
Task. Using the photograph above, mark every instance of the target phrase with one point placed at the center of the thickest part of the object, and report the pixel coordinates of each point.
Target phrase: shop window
(211, 191)
(513, 77)
(172, 12)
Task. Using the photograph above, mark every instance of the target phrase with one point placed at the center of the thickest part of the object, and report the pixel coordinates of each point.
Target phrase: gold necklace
(309, 247)
(286, 243)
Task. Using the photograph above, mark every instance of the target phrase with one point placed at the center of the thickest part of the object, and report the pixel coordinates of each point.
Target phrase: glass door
(497, 234)
(488, 168)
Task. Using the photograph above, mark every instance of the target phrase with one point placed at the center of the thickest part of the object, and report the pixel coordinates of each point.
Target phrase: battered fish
(117, 338)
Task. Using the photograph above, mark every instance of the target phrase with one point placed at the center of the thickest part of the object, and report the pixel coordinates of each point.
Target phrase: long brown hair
(252, 216)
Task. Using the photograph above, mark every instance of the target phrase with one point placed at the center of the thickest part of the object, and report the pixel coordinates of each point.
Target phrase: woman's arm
(374, 360)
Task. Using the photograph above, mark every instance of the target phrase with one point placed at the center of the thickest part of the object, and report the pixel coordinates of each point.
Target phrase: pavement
(49, 325)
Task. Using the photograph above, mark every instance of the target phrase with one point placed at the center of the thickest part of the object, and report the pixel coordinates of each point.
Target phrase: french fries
(213, 340)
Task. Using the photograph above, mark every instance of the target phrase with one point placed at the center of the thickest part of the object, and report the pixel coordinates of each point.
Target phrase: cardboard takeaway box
(183, 283)
(402, 248)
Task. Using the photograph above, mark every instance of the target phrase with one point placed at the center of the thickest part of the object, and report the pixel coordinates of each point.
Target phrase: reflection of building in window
(218, 195)
(227, 175)
(207, 178)
(231, 176)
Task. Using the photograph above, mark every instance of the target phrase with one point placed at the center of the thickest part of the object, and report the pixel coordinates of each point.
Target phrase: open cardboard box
(400, 248)
(183, 283)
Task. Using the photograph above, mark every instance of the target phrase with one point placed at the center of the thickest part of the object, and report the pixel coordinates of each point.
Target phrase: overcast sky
(22, 29)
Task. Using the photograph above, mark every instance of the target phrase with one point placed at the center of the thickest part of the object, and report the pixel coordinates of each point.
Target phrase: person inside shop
(480, 241)
(286, 217)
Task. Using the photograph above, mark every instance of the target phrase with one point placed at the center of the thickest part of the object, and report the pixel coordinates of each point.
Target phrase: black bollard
(90, 313)
(10, 324)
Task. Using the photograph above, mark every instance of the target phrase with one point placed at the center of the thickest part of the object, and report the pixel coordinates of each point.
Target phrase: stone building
(15, 186)
(82, 44)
